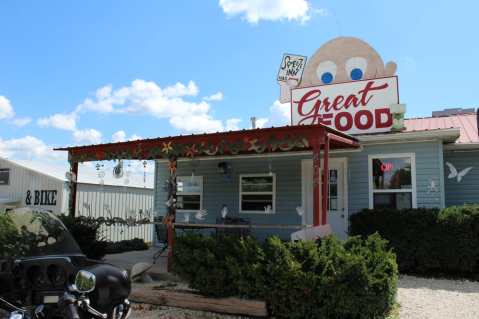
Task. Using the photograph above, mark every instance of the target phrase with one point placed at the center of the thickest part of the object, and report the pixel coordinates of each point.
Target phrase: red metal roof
(252, 141)
(467, 123)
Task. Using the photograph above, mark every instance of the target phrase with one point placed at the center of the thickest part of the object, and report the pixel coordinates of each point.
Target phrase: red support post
(316, 184)
(73, 189)
(325, 186)
(171, 214)
(171, 241)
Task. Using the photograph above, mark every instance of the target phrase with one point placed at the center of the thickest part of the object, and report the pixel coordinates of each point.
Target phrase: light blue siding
(467, 191)
(428, 155)
(218, 191)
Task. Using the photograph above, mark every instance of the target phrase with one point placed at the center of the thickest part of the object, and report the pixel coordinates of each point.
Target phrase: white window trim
(273, 209)
(413, 189)
(9, 176)
(192, 193)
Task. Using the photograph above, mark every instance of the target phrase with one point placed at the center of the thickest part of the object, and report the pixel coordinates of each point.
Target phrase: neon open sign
(387, 167)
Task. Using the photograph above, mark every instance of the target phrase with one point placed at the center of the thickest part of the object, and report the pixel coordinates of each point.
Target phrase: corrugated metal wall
(23, 179)
(117, 201)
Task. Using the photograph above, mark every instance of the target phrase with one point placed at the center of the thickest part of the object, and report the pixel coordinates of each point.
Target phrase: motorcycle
(44, 275)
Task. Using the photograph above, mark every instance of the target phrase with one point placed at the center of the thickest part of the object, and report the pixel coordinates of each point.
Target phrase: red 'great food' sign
(354, 107)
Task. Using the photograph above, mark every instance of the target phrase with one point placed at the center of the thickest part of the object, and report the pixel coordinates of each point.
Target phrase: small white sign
(291, 68)
(312, 233)
(356, 107)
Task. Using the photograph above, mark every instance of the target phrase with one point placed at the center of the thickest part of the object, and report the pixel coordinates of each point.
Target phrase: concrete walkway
(128, 259)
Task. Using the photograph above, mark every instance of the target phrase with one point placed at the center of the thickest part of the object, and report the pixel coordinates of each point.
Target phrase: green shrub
(330, 279)
(87, 234)
(126, 245)
(8, 236)
(427, 241)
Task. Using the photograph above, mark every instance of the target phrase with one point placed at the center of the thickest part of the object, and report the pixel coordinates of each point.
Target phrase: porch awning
(253, 141)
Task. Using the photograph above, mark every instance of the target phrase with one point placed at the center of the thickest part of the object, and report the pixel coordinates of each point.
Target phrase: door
(337, 212)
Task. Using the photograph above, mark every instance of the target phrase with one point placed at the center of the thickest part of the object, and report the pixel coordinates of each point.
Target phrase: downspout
(441, 175)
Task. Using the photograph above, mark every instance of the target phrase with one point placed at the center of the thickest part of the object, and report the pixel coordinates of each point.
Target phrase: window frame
(273, 193)
(412, 190)
(191, 193)
(7, 169)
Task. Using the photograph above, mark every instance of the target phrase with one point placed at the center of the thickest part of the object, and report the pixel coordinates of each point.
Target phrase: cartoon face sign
(345, 59)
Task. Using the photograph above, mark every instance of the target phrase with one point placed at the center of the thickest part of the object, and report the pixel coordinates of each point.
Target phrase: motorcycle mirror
(85, 282)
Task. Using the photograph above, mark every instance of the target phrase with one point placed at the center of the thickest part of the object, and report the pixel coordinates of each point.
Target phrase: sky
(86, 72)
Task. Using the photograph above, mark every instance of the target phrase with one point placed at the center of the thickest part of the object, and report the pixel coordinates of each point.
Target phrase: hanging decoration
(195, 163)
(144, 173)
(171, 202)
(201, 214)
(100, 173)
(252, 144)
(127, 174)
(455, 174)
(118, 169)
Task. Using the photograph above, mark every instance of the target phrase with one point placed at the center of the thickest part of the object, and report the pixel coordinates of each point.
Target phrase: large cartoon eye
(326, 71)
(356, 67)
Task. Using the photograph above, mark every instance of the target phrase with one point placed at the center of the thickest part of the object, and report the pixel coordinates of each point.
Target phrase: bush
(330, 279)
(8, 236)
(126, 245)
(427, 241)
(87, 234)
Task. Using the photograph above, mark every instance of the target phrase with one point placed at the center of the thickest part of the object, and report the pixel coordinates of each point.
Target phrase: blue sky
(146, 65)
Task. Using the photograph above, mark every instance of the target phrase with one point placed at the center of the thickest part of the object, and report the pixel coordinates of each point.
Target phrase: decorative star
(167, 148)
(191, 150)
(254, 146)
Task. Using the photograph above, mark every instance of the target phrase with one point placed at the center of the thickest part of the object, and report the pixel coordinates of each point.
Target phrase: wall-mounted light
(224, 168)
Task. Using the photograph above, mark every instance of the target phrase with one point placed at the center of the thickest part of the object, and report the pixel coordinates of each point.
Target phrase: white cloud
(27, 147)
(21, 121)
(261, 122)
(119, 136)
(280, 115)
(135, 137)
(147, 97)
(232, 124)
(34, 153)
(218, 96)
(60, 121)
(180, 89)
(90, 136)
(6, 109)
(197, 123)
(272, 10)
(280, 112)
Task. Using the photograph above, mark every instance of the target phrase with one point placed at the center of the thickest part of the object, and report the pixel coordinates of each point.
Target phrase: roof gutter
(445, 135)
(461, 147)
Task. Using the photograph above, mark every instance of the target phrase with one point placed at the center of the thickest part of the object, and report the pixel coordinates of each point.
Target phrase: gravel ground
(153, 312)
(421, 298)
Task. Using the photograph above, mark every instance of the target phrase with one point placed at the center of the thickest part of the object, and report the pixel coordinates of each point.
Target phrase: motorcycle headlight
(85, 282)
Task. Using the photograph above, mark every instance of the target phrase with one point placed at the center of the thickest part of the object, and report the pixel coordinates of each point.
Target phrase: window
(392, 180)
(4, 176)
(189, 193)
(257, 193)
(333, 189)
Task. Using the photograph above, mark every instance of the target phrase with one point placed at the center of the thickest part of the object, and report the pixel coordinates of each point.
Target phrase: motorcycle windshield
(29, 232)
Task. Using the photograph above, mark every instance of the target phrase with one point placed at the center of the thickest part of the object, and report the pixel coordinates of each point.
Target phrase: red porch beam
(325, 186)
(342, 140)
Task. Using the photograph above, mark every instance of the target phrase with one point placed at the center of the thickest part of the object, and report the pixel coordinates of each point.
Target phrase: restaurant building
(346, 120)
